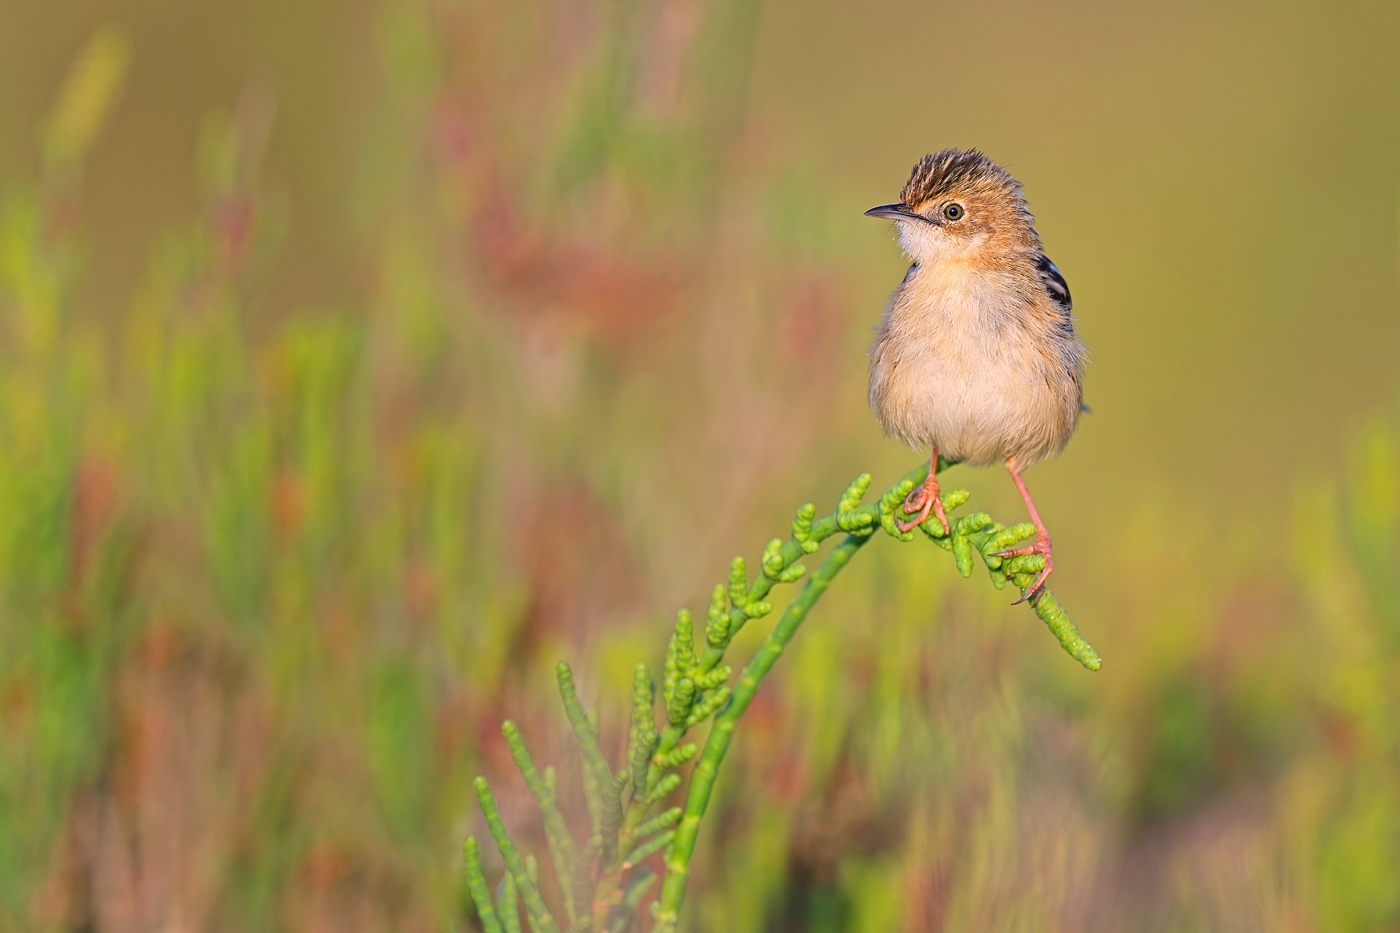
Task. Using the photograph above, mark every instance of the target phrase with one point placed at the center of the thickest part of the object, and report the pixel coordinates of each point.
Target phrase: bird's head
(958, 204)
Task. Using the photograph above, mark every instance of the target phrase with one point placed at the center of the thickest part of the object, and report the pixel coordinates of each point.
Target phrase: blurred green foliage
(273, 570)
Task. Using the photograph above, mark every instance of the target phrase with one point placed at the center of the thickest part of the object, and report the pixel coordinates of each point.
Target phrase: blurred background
(361, 360)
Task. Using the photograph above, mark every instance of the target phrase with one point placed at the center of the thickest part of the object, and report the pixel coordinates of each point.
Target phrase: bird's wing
(1054, 283)
(1058, 290)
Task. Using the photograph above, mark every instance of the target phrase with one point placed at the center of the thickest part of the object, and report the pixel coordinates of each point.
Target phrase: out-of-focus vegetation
(278, 553)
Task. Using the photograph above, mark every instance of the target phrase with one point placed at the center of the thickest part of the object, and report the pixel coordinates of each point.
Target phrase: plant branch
(695, 687)
(535, 909)
(702, 779)
(476, 886)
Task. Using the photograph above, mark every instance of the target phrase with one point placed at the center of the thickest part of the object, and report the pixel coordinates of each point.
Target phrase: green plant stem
(562, 849)
(539, 917)
(702, 779)
(597, 776)
(476, 886)
(1048, 608)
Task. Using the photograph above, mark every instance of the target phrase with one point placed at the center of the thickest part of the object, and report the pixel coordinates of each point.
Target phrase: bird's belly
(978, 404)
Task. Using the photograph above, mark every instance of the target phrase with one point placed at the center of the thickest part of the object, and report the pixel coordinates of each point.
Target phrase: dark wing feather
(1058, 290)
(1054, 283)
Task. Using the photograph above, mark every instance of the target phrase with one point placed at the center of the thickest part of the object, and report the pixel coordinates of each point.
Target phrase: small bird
(976, 355)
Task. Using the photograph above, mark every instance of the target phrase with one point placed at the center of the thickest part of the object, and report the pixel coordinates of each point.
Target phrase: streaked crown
(957, 173)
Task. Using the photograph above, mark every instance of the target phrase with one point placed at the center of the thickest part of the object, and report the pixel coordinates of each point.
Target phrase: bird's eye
(953, 212)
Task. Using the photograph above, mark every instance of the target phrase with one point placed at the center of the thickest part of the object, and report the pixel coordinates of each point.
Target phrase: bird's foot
(922, 502)
(1040, 548)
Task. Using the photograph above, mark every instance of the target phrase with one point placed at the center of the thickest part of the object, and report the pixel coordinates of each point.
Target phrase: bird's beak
(893, 212)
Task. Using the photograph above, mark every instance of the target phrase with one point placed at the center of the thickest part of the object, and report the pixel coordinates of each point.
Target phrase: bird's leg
(1042, 540)
(924, 500)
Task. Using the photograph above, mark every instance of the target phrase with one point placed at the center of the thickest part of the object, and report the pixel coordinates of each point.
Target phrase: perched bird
(976, 355)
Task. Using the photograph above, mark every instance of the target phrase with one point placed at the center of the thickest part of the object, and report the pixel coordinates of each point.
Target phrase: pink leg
(1042, 540)
(924, 500)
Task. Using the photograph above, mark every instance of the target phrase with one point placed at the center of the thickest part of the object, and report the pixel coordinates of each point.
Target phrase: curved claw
(1041, 548)
(920, 503)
